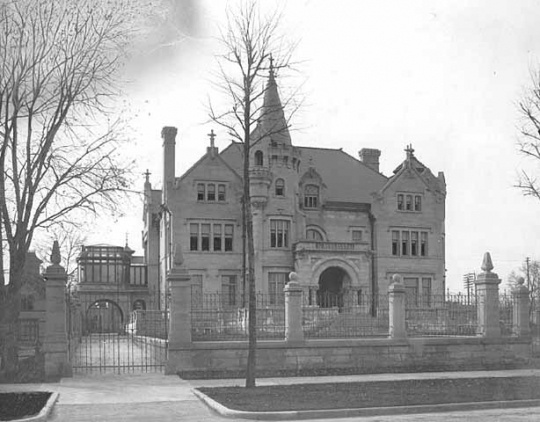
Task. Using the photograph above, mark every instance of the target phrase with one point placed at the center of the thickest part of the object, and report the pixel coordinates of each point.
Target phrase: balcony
(334, 247)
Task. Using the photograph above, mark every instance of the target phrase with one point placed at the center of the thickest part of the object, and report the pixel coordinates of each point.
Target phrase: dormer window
(409, 202)
(280, 187)
(259, 158)
(311, 196)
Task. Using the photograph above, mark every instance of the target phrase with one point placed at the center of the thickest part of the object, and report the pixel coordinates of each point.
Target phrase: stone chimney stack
(168, 133)
(370, 157)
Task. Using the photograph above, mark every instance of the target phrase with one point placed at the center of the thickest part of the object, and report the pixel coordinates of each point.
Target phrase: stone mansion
(335, 220)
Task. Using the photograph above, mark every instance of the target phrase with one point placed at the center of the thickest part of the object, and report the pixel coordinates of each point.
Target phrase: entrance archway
(331, 284)
(104, 316)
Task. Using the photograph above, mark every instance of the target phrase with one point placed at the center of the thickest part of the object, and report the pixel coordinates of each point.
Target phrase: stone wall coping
(368, 342)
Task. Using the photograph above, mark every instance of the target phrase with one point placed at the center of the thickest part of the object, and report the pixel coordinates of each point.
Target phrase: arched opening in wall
(139, 305)
(331, 283)
(259, 158)
(104, 316)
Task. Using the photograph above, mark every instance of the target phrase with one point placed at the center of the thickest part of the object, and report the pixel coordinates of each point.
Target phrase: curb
(369, 411)
(44, 413)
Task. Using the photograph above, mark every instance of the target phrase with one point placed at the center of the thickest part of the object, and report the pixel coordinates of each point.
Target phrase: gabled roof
(205, 156)
(346, 178)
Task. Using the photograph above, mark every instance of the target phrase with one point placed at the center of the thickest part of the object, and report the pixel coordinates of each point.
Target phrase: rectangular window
(211, 192)
(423, 244)
(279, 233)
(414, 243)
(404, 243)
(311, 196)
(357, 235)
(193, 237)
(426, 291)
(395, 242)
(221, 193)
(276, 284)
(400, 202)
(201, 189)
(411, 291)
(229, 230)
(217, 237)
(408, 203)
(205, 237)
(228, 290)
(418, 203)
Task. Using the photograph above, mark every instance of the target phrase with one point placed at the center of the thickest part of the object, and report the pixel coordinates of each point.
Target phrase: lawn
(20, 405)
(375, 394)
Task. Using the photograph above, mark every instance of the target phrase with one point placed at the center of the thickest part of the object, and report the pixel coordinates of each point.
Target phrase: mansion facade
(335, 220)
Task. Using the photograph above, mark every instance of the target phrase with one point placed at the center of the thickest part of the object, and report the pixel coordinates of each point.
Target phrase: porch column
(55, 345)
(520, 310)
(396, 311)
(487, 290)
(293, 310)
(178, 280)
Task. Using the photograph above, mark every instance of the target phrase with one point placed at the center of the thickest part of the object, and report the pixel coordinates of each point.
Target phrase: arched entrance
(331, 286)
(104, 316)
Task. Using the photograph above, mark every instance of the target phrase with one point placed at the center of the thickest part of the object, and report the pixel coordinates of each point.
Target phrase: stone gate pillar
(487, 290)
(293, 310)
(520, 310)
(179, 284)
(396, 303)
(55, 345)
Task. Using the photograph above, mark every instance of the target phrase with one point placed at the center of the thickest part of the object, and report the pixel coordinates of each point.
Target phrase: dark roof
(346, 178)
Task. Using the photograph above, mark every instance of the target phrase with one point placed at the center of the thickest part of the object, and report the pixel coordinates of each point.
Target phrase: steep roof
(346, 178)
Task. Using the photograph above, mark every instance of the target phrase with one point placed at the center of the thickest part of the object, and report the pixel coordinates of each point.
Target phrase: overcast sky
(444, 76)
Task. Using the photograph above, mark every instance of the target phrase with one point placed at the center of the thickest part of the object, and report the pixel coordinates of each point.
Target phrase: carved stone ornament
(178, 256)
(55, 253)
(487, 264)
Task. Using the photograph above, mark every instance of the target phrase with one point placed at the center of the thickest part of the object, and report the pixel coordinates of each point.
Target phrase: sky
(443, 76)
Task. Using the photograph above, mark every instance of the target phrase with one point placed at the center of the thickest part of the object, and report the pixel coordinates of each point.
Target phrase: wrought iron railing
(506, 309)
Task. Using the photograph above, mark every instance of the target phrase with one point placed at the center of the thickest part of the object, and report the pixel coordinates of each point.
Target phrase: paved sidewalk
(149, 397)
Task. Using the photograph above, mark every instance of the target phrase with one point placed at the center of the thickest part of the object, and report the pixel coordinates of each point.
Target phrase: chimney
(370, 157)
(168, 133)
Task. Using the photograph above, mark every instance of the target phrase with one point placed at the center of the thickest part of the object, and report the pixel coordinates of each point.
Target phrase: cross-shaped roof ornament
(409, 150)
(212, 136)
(147, 175)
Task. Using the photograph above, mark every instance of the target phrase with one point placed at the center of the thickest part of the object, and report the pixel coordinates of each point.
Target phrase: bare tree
(530, 272)
(529, 140)
(58, 74)
(253, 52)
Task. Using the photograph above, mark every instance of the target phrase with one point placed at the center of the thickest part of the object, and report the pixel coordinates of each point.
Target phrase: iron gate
(107, 333)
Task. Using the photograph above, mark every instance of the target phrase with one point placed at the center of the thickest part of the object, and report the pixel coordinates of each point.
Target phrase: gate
(109, 333)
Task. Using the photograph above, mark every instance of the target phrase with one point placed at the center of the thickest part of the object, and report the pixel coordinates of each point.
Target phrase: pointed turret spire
(272, 120)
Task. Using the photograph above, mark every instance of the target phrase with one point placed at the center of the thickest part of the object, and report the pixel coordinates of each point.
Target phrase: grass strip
(21, 405)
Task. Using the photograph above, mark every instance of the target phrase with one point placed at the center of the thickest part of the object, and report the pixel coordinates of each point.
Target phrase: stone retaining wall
(359, 356)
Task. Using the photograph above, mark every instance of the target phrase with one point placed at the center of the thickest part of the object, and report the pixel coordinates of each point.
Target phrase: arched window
(280, 187)
(311, 196)
(258, 158)
(315, 235)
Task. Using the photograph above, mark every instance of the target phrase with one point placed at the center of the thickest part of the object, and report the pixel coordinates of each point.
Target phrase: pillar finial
(178, 256)
(55, 253)
(487, 264)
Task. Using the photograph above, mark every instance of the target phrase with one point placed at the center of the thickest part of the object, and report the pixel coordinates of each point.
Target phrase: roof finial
(212, 136)
(271, 70)
(147, 176)
(410, 151)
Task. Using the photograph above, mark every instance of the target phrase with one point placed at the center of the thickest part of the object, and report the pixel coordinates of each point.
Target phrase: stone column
(487, 291)
(293, 310)
(179, 284)
(520, 311)
(396, 303)
(55, 345)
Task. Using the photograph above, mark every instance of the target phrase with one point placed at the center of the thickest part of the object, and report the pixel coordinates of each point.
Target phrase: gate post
(520, 310)
(55, 345)
(178, 280)
(396, 311)
(293, 310)
(487, 290)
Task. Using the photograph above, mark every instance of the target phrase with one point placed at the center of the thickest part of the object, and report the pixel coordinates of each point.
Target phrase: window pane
(228, 237)
(404, 243)
(221, 192)
(395, 242)
(200, 191)
(418, 203)
(194, 237)
(211, 192)
(217, 237)
(205, 237)
(400, 202)
(408, 203)
(357, 235)
(280, 187)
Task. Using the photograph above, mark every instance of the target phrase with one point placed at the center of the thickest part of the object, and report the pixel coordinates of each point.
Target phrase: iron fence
(506, 310)
(224, 316)
(441, 315)
(349, 314)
